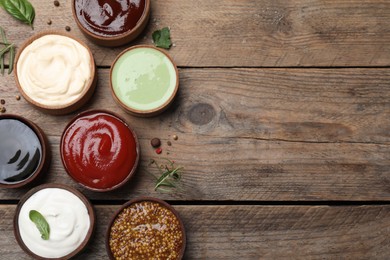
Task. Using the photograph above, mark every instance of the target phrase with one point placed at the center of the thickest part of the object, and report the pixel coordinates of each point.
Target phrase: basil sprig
(41, 224)
(19, 9)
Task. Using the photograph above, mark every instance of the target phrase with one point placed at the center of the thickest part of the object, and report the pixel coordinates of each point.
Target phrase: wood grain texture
(247, 33)
(254, 134)
(255, 232)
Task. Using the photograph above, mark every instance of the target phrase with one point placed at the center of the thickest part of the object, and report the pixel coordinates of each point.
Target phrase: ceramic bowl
(76, 216)
(144, 80)
(103, 22)
(147, 221)
(42, 75)
(99, 150)
(22, 143)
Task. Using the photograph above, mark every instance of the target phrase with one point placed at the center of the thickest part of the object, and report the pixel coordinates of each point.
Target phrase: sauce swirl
(107, 17)
(20, 151)
(99, 150)
(54, 70)
(67, 217)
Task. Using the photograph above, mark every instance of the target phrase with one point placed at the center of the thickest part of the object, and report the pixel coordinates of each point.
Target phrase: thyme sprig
(8, 48)
(169, 178)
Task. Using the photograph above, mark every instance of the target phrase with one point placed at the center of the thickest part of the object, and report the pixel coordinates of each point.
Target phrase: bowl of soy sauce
(24, 152)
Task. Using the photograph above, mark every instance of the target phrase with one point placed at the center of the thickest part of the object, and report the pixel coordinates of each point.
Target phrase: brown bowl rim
(84, 96)
(150, 112)
(45, 157)
(74, 191)
(137, 147)
(117, 40)
(141, 199)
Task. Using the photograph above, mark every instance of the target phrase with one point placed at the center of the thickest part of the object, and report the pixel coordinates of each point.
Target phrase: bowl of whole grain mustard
(146, 228)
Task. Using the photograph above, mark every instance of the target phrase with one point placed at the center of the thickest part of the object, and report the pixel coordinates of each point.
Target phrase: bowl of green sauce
(144, 80)
(24, 152)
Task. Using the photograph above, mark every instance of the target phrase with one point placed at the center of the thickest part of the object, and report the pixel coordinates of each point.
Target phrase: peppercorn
(155, 142)
(48, 22)
(175, 137)
(17, 97)
(2, 101)
(56, 3)
(67, 28)
(169, 143)
(3, 110)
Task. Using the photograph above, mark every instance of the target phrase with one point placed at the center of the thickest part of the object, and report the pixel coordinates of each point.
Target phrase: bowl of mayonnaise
(55, 72)
(53, 221)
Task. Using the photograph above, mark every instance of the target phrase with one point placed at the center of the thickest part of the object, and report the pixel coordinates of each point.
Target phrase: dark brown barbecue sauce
(107, 17)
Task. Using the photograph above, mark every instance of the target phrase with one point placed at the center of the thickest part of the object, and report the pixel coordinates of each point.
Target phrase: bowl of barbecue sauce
(24, 152)
(111, 23)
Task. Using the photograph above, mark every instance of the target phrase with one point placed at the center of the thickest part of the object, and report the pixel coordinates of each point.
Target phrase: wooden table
(283, 119)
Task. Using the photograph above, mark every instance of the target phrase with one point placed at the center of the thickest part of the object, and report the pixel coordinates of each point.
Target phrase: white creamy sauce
(68, 219)
(54, 70)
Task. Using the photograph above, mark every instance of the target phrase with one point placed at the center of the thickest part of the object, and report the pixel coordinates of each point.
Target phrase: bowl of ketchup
(99, 150)
(111, 23)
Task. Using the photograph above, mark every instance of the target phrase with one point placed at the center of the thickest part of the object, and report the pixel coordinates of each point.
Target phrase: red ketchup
(99, 150)
(109, 17)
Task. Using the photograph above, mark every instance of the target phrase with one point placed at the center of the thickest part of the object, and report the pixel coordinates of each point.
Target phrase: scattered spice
(159, 150)
(175, 137)
(146, 230)
(3, 110)
(56, 3)
(67, 28)
(169, 178)
(17, 97)
(2, 101)
(48, 22)
(155, 142)
(169, 143)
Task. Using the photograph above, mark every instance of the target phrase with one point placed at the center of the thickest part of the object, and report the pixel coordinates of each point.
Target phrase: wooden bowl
(48, 95)
(145, 58)
(115, 39)
(18, 157)
(143, 229)
(31, 232)
(113, 151)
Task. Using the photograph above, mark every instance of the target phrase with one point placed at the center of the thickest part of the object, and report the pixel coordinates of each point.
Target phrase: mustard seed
(146, 230)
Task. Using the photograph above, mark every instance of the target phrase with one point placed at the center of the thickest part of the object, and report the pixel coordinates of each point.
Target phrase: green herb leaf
(170, 176)
(1, 3)
(41, 223)
(20, 9)
(8, 47)
(3, 38)
(11, 59)
(2, 64)
(162, 38)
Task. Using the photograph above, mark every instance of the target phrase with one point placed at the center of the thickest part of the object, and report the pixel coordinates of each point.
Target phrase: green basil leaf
(41, 223)
(1, 3)
(162, 38)
(21, 10)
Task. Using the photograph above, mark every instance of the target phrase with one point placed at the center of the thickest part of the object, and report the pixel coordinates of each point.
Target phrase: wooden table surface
(283, 119)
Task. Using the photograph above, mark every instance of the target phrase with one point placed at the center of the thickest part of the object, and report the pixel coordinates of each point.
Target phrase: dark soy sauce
(20, 151)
